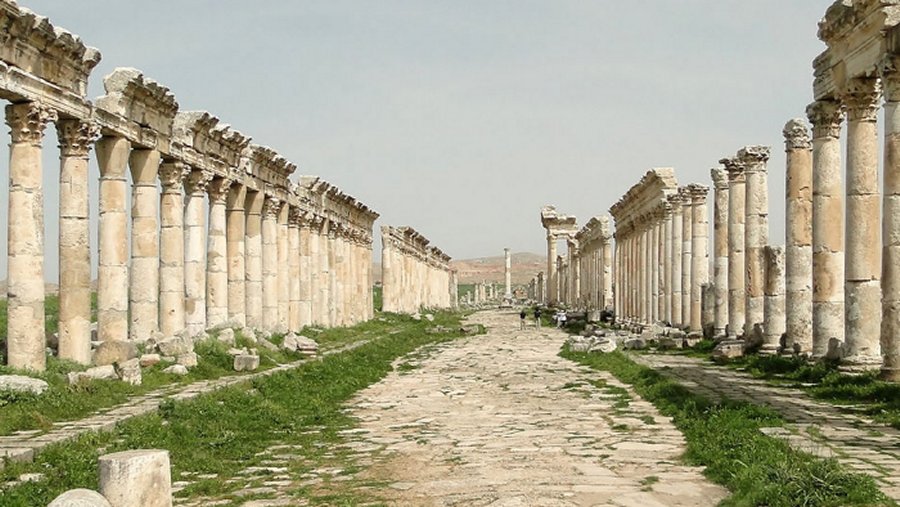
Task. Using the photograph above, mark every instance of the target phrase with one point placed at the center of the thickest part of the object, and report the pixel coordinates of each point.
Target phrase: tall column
(798, 237)
(112, 271)
(283, 271)
(827, 226)
(195, 252)
(236, 225)
(253, 261)
(677, 247)
(774, 324)
(171, 248)
(606, 300)
(668, 314)
(271, 210)
(660, 266)
(699, 253)
(862, 262)
(756, 235)
(890, 239)
(144, 280)
(507, 274)
(641, 274)
(25, 291)
(315, 271)
(306, 272)
(294, 255)
(552, 278)
(720, 249)
(217, 254)
(333, 257)
(653, 270)
(736, 266)
(324, 274)
(687, 262)
(75, 140)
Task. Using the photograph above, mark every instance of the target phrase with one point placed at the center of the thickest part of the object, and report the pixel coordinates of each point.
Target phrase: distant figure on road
(537, 316)
(561, 319)
(522, 319)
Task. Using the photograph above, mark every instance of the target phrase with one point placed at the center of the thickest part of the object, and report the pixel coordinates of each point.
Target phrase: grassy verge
(225, 431)
(726, 439)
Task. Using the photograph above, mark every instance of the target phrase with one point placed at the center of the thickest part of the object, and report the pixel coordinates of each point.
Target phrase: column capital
(890, 77)
(271, 207)
(198, 181)
(735, 169)
(296, 216)
(826, 117)
(76, 136)
(698, 193)
(172, 175)
(754, 157)
(796, 135)
(719, 177)
(861, 99)
(218, 189)
(27, 121)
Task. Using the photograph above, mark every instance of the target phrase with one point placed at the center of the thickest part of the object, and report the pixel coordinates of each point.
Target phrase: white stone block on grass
(139, 478)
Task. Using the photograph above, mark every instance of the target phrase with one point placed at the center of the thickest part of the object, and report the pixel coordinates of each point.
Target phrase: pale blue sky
(462, 118)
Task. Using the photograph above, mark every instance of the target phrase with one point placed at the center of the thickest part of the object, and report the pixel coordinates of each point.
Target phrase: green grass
(378, 298)
(222, 432)
(726, 439)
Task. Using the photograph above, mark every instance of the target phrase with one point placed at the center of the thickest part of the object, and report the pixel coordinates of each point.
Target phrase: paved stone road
(815, 427)
(501, 420)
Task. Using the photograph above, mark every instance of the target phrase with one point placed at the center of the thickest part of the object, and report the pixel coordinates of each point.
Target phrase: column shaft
(217, 255)
(112, 271)
(798, 238)
(720, 249)
(270, 261)
(253, 262)
(171, 250)
(890, 239)
(236, 222)
(699, 253)
(195, 240)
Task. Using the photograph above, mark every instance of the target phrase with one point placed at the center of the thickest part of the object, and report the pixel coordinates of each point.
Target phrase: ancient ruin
(414, 275)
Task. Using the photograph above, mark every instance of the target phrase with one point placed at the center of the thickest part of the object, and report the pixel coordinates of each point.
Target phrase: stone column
(774, 327)
(26, 340)
(75, 140)
(677, 247)
(171, 247)
(756, 235)
(195, 252)
(306, 270)
(653, 270)
(333, 294)
(606, 300)
(641, 274)
(112, 271)
(454, 290)
(324, 274)
(284, 267)
(539, 289)
(699, 253)
(271, 210)
(827, 226)
(315, 271)
(294, 255)
(661, 275)
(720, 250)
(667, 264)
(217, 254)
(737, 294)
(236, 223)
(144, 281)
(552, 278)
(798, 237)
(508, 274)
(862, 262)
(253, 259)
(890, 240)
(687, 262)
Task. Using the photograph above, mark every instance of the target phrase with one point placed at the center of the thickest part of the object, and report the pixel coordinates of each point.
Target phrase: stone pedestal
(112, 271)
(798, 235)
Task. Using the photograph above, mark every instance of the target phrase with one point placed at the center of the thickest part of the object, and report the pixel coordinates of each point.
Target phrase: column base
(890, 374)
(769, 350)
(859, 364)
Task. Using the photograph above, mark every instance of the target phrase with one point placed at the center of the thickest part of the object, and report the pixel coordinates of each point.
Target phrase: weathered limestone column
(641, 274)
(737, 293)
(687, 262)
(827, 226)
(236, 221)
(284, 267)
(25, 293)
(315, 270)
(572, 291)
(661, 275)
(774, 326)
(699, 253)
(253, 259)
(195, 252)
(668, 314)
(552, 278)
(171, 247)
(653, 270)
(890, 240)
(333, 290)
(798, 235)
(756, 234)
(454, 290)
(144, 280)
(508, 275)
(607, 299)
(112, 272)
(270, 212)
(539, 288)
(294, 255)
(217, 254)
(862, 262)
(75, 140)
(677, 247)
(720, 250)
(306, 271)
(324, 274)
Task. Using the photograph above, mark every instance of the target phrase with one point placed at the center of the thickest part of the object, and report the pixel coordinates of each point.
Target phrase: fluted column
(283, 271)
(756, 235)
(827, 226)
(699, 253)
(798, 238)
(25, 241)
(144, 280)
(112, 271)
(195, 252)
(306, 272)
(294, 255)
(171, 247)
(217, 254)
(890, 240)
(687, 261)
(862, 261)
(75, 140)
(677, 246)
(720, 250)
(774, 323)
(253, 261)
(737, 294)
(271, 210)
(236, 237)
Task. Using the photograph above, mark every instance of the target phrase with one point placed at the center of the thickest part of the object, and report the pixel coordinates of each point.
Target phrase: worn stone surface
(139, 478)
(246, 362)
(22, 384)
(130, 371)
(175, 346)
(80, 498)
(105, 372)
(110, 352)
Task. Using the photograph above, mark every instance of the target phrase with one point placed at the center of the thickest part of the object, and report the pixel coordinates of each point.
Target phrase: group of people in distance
(559, 317)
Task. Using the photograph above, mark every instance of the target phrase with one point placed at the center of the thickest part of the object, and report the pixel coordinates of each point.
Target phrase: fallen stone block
(226, 336)
(105, 372)
(728, 349)
(139, 478)
(80, 498)
(130, 372)
(246, 362)
(148, 360)
(188, 359)
(175, 346)
(176, 369)
(114, 351)
(634, 344)
(236, 352)
(22, 384)
(266, 344)
(249, 334)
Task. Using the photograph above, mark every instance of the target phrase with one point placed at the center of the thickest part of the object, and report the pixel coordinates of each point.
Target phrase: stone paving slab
(815, 427)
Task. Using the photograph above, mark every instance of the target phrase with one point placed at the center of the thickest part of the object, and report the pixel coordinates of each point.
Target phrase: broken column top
(136, 98)
(796, 135)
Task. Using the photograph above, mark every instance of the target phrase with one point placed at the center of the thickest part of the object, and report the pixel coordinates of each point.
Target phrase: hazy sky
(462, 118)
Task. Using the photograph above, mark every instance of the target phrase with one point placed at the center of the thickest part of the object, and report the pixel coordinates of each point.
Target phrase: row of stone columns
(414, 276)
(594, 273)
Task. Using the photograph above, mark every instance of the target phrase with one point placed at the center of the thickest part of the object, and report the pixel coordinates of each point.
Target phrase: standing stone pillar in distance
(677, 246)
(798, 235)
(736, 266)
(686, 256)
(756, 235)
(508, 275)
(112, 271)
(552, 276)
(294, 255)
(720, 250)
(283, 272)
(699, 253)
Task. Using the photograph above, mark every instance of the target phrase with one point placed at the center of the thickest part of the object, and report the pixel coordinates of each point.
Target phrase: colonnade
(557, 227)
(219, 235)
(594, 259)
(414, 275)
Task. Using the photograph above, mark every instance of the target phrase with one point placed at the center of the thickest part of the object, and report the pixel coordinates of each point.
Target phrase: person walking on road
(537, 316)
(522, 319)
